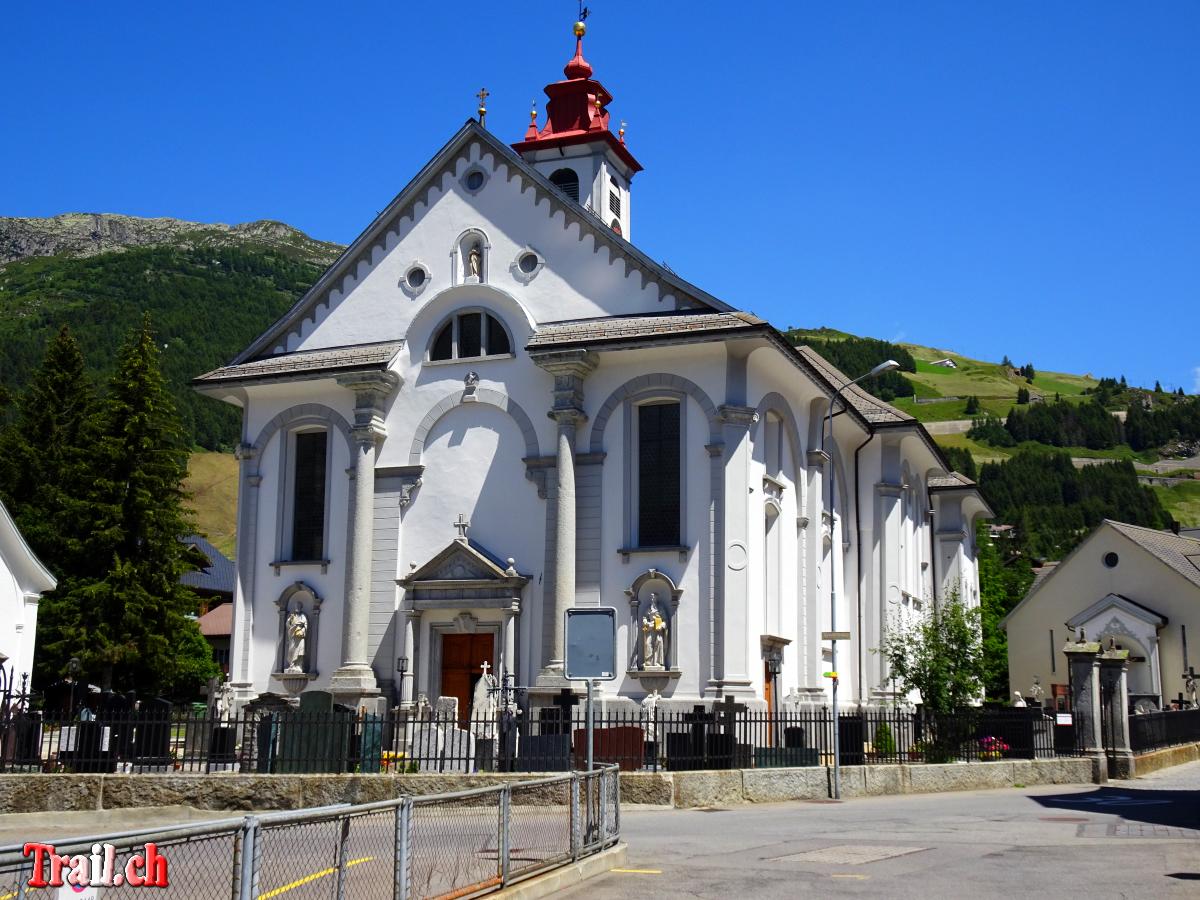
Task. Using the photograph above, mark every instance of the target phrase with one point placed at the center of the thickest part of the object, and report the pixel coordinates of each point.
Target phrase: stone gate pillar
(1084, 668)
(1114, 698)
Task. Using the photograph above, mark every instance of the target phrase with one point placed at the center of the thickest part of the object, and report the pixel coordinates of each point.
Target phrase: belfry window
(658, 475)
(308, 495)
(470, 335)
(566, 181)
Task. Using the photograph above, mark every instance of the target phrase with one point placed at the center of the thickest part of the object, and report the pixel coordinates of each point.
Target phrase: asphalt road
(1136, 838)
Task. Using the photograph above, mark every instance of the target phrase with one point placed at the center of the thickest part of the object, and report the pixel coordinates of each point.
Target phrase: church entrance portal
(462, 656)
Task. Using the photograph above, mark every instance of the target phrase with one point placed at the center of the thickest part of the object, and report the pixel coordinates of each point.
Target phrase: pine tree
(126, 615)
(972, 406)
(1022, 396)
(1158, 387)
(1006, 362)
(43, 453)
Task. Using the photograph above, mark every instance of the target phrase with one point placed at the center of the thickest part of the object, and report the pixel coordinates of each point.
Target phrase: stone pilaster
(569, 370)
(1114, 699)
(354, 681)
(1084, 668)
(732, 601)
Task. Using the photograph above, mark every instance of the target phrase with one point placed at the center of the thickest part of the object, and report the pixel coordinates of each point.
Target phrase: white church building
(494, 407)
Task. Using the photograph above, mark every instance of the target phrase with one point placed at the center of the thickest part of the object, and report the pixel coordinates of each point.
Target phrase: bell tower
(576, 149)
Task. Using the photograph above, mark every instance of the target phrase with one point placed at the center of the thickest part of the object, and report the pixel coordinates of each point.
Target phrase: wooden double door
(462, 659)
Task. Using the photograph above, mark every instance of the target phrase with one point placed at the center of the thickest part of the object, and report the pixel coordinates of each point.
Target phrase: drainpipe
(858, 562)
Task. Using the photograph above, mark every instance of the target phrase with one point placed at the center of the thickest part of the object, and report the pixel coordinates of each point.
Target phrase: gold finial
(533, 111)
(580, 29)
(483, 95)
(621, 131)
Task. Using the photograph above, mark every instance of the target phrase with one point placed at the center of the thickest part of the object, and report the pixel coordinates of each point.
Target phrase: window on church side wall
(658, 510)
(470, 335)
(566, 181)
(614, 203)
(308, 496)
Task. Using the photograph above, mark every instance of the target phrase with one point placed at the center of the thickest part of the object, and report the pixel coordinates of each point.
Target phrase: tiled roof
(217, 576)
(1180, 553)
(870, 408)
(217, 622)
(607, 329)
(306, 362)
(952, 480)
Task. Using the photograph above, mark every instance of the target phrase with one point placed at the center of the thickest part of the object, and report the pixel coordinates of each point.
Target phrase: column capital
(579, 363)
(740, 416)
(568, 415)
(368, 433)
(245, 452)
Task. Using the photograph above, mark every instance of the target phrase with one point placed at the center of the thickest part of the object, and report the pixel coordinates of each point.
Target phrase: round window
(1111, 560)
(415, 277)
(528, 262)
(474, 181)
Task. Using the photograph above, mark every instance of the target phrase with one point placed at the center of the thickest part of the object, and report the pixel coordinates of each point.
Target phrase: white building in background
(493, 407)
(23, 580)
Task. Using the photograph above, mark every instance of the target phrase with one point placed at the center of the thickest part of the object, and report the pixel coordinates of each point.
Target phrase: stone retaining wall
(1146, 763)
(41, 793)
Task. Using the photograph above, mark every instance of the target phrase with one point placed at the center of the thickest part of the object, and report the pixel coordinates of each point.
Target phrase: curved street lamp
(888, 366)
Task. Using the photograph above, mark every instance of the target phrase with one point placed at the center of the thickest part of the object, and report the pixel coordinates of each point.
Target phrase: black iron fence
(1150, 731)
(287, 740)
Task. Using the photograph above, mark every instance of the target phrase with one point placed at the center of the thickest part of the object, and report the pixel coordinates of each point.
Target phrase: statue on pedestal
(654, 634)
(1037, 692)
(650, 712)
(474, 261)
(295, 639)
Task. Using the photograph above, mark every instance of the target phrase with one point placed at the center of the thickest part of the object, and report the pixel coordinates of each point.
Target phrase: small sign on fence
(591, 639)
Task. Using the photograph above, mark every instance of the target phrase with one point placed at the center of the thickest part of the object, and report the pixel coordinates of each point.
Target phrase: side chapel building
(494, 407)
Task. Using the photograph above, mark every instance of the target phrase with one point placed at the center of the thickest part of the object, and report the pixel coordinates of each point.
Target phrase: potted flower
(992, 748)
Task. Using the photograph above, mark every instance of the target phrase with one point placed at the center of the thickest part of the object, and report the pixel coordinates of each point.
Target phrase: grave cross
(565, 700)
(727, 711)
(484, 665)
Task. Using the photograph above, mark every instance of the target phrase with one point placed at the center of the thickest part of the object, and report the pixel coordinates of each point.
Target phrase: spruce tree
(124, 612)
(44, 454)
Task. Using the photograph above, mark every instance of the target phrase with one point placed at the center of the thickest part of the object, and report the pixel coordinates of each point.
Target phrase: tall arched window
(566, 181)
(470, 335)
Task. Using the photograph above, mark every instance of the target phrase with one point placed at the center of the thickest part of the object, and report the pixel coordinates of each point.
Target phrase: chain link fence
(440, 845)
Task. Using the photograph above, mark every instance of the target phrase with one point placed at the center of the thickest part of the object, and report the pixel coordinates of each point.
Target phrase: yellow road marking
(622, 871)
(303, 881)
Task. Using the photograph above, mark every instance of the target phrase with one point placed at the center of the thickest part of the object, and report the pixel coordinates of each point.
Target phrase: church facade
(493, 407)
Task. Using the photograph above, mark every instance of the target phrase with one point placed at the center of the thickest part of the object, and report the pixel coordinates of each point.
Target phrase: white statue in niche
(295, 640)
(654, 633)
(474, 261)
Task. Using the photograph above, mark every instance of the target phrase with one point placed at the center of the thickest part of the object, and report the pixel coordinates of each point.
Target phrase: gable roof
(32, 577)
(217, 622)
(478, 563)
(1179, 553)
(472, 131)
(609, 330)
(217, 576)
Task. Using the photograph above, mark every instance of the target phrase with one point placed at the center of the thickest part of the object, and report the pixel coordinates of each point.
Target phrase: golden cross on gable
(483, 95)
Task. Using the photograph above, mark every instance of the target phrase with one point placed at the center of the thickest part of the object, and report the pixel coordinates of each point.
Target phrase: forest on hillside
(856, 356)
(207, 302)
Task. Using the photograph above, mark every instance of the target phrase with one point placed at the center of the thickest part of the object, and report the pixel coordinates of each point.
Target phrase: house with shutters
(494, 407)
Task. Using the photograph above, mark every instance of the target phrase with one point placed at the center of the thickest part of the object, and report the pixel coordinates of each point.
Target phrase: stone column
(241, 655)
(408, 648)
(887, 589)
(1083, 666)
(569, 370)
(509, 637)
(733, 600)
(1114, 697)
(354, 681)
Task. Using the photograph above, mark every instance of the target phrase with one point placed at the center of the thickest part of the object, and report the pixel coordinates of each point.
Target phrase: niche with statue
(296, 652)
(653, 635)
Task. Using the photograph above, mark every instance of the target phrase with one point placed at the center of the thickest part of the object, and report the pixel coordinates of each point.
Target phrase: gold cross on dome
(483, 95)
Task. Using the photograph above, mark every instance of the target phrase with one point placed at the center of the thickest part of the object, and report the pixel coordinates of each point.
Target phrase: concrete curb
(567, 876)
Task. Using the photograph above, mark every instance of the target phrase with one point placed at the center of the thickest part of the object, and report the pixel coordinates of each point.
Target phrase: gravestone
(370, 745)
(621, 744)
(544, 753)
(446, 709)
(317, 737)
(116, 712)
(264, 712)
(686, 750)
(426, 747)
(458, 749)
(154, 735)
(852, 734)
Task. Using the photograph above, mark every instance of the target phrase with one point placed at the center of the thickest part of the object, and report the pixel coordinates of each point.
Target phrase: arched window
(470, 335)
(566, 181)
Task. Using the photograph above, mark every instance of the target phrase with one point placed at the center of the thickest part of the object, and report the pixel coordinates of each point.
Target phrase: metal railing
(296, 742)
(441, 845)
(1167, 728)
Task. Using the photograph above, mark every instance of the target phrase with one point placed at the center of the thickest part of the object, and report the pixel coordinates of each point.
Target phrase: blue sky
(1015, 177)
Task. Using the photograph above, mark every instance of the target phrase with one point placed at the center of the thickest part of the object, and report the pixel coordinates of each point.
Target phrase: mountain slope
(210, 290)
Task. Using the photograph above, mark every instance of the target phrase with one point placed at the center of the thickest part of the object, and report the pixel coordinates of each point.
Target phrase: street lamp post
(887, 366)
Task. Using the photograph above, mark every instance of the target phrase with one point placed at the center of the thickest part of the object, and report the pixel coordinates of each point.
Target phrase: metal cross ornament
(462, 525)
(483, 95)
